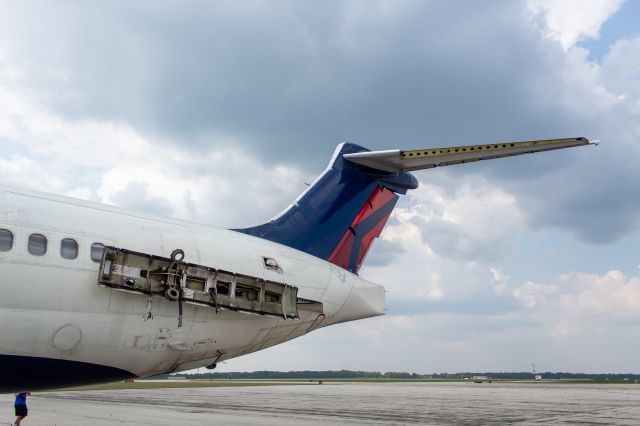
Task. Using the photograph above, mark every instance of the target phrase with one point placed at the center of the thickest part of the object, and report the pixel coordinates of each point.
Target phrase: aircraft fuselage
(55, 315)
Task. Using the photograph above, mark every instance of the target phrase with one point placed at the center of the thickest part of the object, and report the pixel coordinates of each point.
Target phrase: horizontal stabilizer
(405, 161)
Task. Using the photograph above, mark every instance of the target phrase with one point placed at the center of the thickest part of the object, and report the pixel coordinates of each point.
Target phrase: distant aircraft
(94, 293)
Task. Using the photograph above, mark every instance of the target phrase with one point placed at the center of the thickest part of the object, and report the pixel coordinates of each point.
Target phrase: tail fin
(341, 213)
(346, 208)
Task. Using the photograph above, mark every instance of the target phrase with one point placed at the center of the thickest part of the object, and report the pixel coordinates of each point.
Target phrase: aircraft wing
(396, 160)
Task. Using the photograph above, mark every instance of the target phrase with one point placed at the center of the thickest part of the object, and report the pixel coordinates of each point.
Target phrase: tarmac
(449, 403)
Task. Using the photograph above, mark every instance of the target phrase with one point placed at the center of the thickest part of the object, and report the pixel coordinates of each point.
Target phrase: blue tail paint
(334, 218)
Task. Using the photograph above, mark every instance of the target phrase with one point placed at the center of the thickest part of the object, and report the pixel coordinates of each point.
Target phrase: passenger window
(37, 244)
(68, 248)
(96, 252)
(6, 240)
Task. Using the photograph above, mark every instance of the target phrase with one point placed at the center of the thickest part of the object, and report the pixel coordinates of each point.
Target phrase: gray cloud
(589, 191)
(289, 80)
(135, 196)
(279, 84)
(482, 303)
(450, 240)
(384, 252)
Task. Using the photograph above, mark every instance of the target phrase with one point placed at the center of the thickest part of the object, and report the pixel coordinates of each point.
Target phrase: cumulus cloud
(620, 72)
(135, 195)
(583, 304)
(114, 163)
(286, 83)
(220, 112)
(384, 252)
(453, 241)
(21, 171)
(286, 79)
(531, 294)
(591, 183)
(572, 20)
(557, 325)
(499, 280)
(473, 221)
(224, 187)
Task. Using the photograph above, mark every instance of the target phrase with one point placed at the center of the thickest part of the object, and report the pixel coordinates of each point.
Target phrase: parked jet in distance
(94, 293)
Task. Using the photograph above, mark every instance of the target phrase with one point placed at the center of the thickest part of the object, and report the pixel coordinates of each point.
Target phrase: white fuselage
(52, 307)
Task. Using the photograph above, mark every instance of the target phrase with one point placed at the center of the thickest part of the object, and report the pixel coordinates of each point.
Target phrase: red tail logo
(368, 224)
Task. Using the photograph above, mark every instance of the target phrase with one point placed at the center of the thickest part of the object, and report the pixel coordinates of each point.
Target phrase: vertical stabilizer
(338, 217)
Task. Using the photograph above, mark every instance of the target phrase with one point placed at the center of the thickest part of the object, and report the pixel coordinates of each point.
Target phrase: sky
(221, 112)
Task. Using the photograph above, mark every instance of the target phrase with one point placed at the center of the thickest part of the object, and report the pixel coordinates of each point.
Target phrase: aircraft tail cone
(365, 300)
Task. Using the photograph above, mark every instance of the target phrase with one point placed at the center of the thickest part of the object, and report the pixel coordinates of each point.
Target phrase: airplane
(93, 293)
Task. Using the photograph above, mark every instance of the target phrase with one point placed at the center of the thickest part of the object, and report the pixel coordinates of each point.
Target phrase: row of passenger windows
(37, 246)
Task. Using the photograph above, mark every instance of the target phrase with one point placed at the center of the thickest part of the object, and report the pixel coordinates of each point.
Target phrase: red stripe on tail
(363, 238)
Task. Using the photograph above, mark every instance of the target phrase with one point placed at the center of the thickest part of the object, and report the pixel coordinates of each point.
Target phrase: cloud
(220, 112)
(20, 171)
(114, 163)
(135, 196)
(499, 281)
(227, 187)
(586, 194)
(286, 83)
(569, 21)
(581, 304)
(384, 251)
(620, 72)
(474, 221)
(531, 294)
(288, 80)
(453, 241)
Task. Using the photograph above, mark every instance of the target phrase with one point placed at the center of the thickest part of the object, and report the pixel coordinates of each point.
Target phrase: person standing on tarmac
(21, 407)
